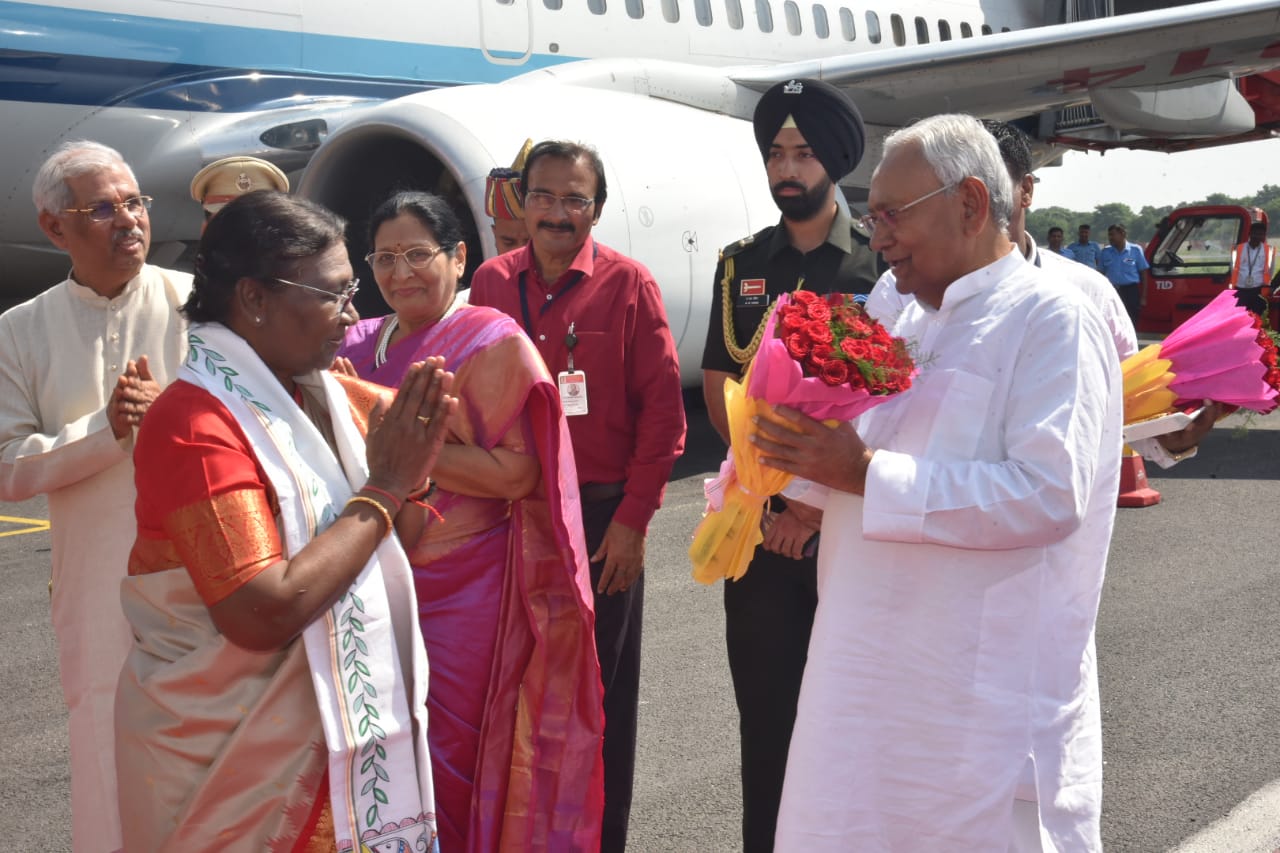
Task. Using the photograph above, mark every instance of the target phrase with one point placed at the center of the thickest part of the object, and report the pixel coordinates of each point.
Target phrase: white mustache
(121, 236)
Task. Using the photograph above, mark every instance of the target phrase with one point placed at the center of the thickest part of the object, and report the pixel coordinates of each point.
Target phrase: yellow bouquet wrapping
(726, 539)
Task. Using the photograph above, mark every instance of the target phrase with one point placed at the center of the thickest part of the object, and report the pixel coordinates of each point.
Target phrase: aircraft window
(702, 11)
(820, 25)
(966, 31)
(553, 5)
(944, 30)
(733, 11)
(764, 16)
(792, 13)
(596, 6)
(922, 31)
(899, 30)
(671, 11)
(846, 24)
(986, 30)
(635, 8)
(873, 27)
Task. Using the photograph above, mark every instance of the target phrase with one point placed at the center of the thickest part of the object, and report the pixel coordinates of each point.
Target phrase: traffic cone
(1134, 489)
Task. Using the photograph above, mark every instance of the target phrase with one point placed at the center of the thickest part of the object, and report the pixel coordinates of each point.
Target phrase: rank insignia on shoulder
(735, 248)
(859, 228)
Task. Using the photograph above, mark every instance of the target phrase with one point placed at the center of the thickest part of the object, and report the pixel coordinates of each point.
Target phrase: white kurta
(60, 356)
(886, 304)
(952, 648)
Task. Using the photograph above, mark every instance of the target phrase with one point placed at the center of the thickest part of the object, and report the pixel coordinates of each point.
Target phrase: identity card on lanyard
(573, 383)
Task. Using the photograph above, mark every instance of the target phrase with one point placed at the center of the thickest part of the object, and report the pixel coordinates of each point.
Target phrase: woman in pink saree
(514, 699)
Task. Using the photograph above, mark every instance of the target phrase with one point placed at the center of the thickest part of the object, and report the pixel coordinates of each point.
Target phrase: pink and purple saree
(505, 603)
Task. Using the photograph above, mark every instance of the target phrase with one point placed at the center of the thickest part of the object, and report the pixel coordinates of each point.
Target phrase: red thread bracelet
(397, 502)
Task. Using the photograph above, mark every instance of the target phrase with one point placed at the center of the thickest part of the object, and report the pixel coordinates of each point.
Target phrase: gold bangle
(376, 504)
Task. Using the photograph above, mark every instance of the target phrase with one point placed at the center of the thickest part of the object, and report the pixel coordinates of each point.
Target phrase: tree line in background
(1140, 224)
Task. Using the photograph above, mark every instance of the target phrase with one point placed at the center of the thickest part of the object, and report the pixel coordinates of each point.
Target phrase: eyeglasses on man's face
(342, 298)
(104, 211)
(889, 218)
(543, 201)
(417, 258)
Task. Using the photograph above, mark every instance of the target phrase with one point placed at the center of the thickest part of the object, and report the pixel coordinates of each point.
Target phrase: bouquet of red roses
(1222, 353)
(829, 342)
(822, 355)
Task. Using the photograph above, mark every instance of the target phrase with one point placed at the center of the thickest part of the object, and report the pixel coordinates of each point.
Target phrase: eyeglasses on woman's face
(419, 257)
(341, 298)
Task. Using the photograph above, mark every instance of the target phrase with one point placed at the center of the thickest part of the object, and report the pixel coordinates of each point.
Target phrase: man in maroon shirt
(597, 318)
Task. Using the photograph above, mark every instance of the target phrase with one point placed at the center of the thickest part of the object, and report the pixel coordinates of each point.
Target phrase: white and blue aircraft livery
(358, 99)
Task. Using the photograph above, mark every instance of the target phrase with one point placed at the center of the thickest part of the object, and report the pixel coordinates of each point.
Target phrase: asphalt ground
(1187, 646)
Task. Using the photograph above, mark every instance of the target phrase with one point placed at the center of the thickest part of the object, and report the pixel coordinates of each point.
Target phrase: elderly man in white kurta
(79, 364)
(950, 700)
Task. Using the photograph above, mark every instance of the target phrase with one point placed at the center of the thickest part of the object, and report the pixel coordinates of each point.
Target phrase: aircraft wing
(1161, 73)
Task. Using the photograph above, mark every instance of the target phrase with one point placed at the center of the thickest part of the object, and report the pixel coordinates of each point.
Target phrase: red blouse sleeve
(203, 500)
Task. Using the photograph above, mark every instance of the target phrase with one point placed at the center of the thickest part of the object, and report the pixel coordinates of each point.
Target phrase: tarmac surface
(1187, 647)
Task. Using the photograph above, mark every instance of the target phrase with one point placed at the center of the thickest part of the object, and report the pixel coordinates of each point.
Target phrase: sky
(1139, 178)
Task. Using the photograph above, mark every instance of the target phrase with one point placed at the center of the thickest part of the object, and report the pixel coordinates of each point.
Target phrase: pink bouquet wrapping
(1222, 353)
(821, 355)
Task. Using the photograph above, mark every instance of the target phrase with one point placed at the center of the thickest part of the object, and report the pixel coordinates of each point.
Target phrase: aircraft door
(504, 30)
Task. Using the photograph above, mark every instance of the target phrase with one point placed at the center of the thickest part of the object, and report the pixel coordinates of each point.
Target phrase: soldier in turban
(810, 136)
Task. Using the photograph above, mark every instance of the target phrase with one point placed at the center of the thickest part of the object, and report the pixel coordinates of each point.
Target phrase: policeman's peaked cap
(825, 117)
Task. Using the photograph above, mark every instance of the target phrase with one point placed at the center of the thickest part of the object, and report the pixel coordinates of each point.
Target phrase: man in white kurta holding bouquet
(79, 365)
(950, 700)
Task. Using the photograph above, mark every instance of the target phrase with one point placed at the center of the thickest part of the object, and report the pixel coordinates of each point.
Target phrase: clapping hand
(134, 393)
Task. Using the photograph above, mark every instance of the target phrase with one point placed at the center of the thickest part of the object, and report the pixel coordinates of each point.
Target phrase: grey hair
(72, 159)
(957, 146)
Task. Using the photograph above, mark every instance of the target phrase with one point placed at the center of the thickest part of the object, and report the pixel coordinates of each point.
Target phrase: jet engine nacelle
(682, 183)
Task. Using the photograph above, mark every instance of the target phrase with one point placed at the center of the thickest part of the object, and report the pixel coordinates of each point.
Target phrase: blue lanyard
(577, 276)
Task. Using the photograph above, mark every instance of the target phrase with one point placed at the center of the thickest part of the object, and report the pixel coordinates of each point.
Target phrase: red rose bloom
(834, 372)
(819, 311)
(855, 349)
(792, 321)
(798, 344)
(804, 297)
(818, 332)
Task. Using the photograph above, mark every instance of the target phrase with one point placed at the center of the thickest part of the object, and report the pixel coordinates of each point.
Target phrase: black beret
(825, 117)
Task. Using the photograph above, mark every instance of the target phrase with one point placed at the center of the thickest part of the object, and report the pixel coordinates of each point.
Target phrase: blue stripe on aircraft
(72, 56)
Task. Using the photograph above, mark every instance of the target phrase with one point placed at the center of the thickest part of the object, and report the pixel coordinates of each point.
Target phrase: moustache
(556, 226)
(789, 185)
(127, 234)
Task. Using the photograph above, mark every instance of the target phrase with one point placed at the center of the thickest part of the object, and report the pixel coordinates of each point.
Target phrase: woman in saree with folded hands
(274, 695)
(501, 575)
